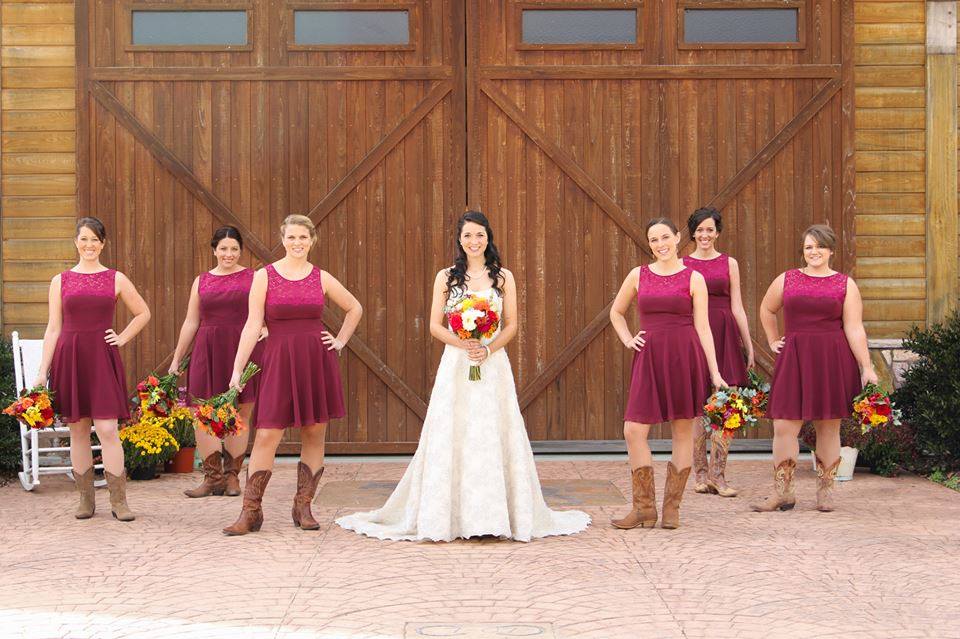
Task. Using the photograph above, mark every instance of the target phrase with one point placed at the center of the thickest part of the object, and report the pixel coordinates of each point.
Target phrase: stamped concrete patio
(887, 564)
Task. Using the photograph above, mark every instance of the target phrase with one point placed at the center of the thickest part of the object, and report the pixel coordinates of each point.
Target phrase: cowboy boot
(783, 497)
(644, 513)
(700, 484)
(88, 499)
(251, 514)
(118, 496)
(231, 473)
(826, 476)
(716, 482)
(306, 488)
(673, 495)
(213, 482)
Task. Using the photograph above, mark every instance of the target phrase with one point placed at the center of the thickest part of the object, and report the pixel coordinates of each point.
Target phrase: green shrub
(10, 461)
(930, 394)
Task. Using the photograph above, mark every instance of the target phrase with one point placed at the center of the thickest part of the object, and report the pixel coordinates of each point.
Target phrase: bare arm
(701, 322)
(856, 334)
(626, 294)
(740, 315)
(136, 305)
(769, 307)
(345, 300)
(52, 333)
(437, 327)
(189, 327)
(251, 329)
(508, 320)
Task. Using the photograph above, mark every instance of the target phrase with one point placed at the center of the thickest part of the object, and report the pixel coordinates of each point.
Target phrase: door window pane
(178, 28)
(579, 26)
(351, 27)
(740, 25)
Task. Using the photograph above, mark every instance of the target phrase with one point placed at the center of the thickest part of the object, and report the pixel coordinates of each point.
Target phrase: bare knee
(314, 435)
(107, 430)
(633, 431)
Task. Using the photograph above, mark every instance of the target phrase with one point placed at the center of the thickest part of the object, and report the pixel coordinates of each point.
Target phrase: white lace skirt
(473, 473)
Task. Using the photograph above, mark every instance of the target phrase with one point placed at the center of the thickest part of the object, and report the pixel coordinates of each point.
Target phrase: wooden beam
(658, 71)
(941, 162)
(267, 73)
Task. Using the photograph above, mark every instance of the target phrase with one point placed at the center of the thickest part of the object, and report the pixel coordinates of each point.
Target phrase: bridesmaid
(86, 372)
(731, 338)
(673, 368)
(300, 382)
(216, 314)
(816, 375)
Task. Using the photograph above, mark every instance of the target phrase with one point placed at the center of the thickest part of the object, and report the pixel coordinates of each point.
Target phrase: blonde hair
(295, 219)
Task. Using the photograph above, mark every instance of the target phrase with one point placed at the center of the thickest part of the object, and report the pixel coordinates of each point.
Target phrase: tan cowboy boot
(716, 482)
(673, 495)
(306, 488)
(826, 476)
(213, 482)
(118, 496)
(231, 473)
(783, 496)
(700, 460)
(251, 514)
(644, 513)
(88, 497)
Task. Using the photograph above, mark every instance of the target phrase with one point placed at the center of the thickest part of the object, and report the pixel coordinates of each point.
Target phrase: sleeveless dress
(473, 473)
(86, 373)
(723, 326)
(223, 312)
(816, 375)
(670, 378)
(300, 381)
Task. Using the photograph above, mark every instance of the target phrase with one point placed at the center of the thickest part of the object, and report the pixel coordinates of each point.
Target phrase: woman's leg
(786, 448)
(81, 458)
(828, 459)
(309, 471)
(213, 480)
(234, 450)
(678, 470)
(112, 452)
(644, 510)
(265, 444)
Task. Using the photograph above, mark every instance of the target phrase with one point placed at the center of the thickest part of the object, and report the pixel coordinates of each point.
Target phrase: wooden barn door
(574, 143)
(359, 127)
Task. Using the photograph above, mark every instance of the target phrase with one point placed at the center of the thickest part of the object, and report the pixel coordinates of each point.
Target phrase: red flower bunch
(34, 407)
(158, 395)
(873, 408)
(219, 415)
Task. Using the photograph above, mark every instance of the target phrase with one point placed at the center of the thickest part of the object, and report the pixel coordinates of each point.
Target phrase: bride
(473, 473)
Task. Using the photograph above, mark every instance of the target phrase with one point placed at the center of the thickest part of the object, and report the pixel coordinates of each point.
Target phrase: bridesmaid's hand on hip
(112, 338)
(637, 343)
(333, 344)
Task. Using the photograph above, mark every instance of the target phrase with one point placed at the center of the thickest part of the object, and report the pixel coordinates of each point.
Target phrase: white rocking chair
(26, 363)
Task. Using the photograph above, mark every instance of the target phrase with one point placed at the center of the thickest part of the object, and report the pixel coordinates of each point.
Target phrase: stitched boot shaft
(307, 482)
(118, 496)
(644, 512)
(86, 492)
(231, 473)
(716, 481)
(251, 513)
(673, 495)
(213, 482)
(783, 496)
(700, 460)
(826, 478)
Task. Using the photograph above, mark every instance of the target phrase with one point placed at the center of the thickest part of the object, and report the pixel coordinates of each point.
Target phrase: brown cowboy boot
(700, 484)
(88, 498)
(306, 488)
(673, 495)
(118, 496)
(826, 476)
(716, 482)
(213, 482)
(783, 497)
(644, 513)
(251, 515)
(231, 473)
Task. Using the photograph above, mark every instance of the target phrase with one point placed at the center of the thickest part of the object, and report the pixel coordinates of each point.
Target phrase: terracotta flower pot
(182, 462)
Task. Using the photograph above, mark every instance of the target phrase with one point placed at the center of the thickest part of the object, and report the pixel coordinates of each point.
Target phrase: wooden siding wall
(38, 151)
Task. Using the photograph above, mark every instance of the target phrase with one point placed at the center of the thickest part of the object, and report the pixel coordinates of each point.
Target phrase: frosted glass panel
(207, 28)
(579, 26)
(740, 25)
(351, 27)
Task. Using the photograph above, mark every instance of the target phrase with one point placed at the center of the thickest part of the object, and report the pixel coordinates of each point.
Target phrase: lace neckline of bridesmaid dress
(709, 259)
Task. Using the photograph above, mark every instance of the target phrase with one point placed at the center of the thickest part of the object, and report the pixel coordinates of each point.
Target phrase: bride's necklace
(473, 276)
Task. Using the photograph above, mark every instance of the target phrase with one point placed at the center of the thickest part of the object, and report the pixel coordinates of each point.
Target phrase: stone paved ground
(887, 564)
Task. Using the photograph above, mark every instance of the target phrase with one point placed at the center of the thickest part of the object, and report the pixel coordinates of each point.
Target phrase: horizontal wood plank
(57, 120)
(891, 182)
(894, 267)
(25, 228)
(35, 270)
(37, 56)
(39, 184)
(34, 313)
(910, 33)
(869, 161)
(38, 99)
(888, 329)
(877, 246)
(38, 163)
(890, 118)
(892, 288)
(889, 140)
(892, 203)
(25, 292)
(39, 207)
(894, 54)
(877, 97)
(31, 249)
(38, 142)
(37, 13)
(41, 34)
(26, 331)
(888, 12)
(39, 78)
(890, 76)
(896, 310)
(890, 225)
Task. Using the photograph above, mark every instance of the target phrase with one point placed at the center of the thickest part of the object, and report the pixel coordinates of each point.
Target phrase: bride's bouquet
(475, 317)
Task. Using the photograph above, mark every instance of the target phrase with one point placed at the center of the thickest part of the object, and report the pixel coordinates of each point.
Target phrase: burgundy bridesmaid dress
(726, 335)
(224, 303)
(816, 375)
(671, 379)
(86, 373)
(300, 382)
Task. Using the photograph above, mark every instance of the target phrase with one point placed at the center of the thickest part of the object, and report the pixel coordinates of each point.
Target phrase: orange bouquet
(475, 317)
(34, 407)
(219, 415)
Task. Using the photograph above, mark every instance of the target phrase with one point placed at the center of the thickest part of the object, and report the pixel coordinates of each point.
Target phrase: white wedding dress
(473, 473)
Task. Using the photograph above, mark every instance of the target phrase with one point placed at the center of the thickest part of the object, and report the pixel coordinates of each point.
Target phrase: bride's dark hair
(457, 275)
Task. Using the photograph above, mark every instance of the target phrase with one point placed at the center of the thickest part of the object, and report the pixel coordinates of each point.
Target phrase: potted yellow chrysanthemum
(181, 424)
(146, 444)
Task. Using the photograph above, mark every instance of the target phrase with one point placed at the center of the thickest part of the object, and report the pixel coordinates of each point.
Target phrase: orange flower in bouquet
(34, 407)
(219, 415)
